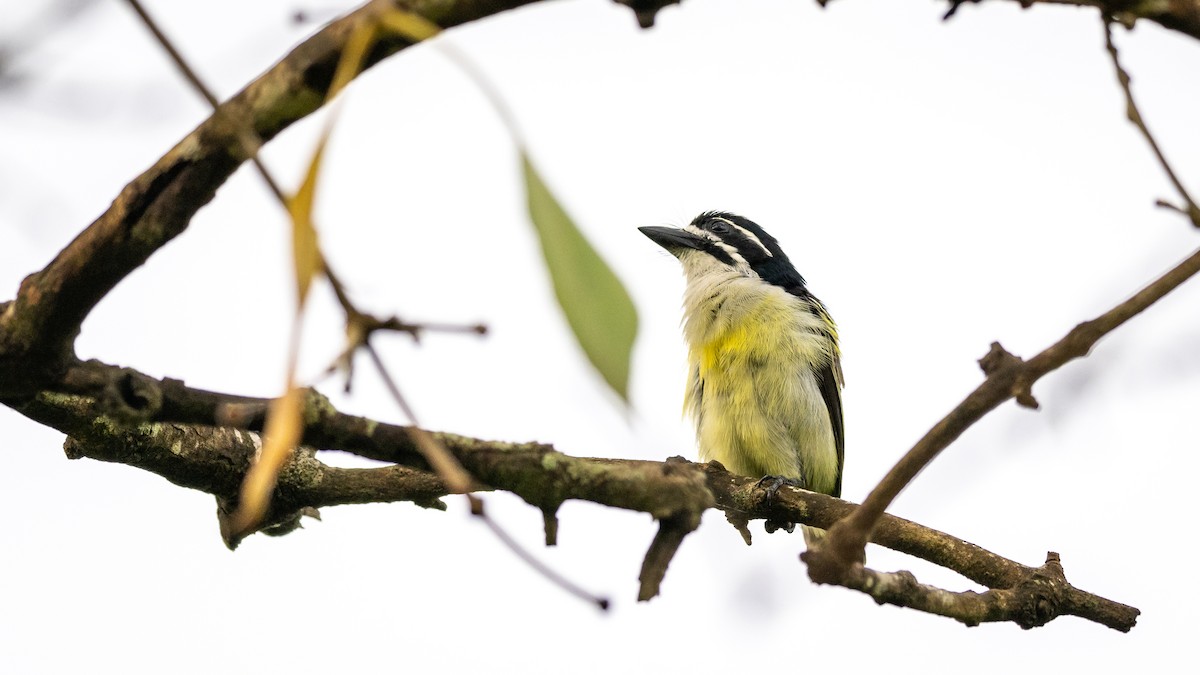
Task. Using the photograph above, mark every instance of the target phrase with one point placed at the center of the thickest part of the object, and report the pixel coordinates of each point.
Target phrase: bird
(764, 366)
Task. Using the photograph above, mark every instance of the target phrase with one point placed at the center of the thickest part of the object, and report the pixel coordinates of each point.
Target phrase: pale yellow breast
(760, 410)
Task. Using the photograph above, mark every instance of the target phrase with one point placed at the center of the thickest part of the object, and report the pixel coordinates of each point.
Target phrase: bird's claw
(773, 483)
(772, 525)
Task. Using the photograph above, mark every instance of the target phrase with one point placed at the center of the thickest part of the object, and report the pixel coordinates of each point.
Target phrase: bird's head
(723, 242)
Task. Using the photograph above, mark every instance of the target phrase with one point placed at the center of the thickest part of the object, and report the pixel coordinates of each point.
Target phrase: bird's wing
(829, 380)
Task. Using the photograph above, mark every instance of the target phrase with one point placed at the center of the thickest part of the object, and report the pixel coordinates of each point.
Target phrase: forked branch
(178, 442)
(1007, 377)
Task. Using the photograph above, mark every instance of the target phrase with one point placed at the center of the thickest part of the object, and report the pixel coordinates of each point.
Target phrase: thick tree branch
(608, 482)
(215, 459)
(182, 446)
(1012, 584)
(38, 328)
(206, 440)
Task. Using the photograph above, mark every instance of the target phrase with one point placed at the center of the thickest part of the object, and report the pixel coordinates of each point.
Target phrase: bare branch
(203, 407)
(1038, 598)
(540, 567)
(671, 532)
(443, 463)
(1007, 377)
(249, 140)
(1018, 593)
(185, 435)
(188, 73)
(38, 328)
(189, 453)
(1135, 116)
(215, 459)
(358, 323)
(1180, 15)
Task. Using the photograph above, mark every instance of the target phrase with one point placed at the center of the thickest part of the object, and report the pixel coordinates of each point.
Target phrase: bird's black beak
(671, 238)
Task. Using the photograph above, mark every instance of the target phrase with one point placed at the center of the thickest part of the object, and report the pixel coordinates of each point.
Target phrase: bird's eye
(718, 228)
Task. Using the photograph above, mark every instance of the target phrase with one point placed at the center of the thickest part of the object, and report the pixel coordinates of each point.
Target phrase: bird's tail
(812, 535)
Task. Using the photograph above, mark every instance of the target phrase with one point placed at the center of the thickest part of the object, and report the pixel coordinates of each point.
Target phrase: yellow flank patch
(728, 344)
(759, 332)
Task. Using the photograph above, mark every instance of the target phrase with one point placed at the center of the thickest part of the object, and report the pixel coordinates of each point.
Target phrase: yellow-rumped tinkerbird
(764, 368)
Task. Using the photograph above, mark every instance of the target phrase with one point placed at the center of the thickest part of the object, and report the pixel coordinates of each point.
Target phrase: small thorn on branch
(646, 10)
(741, 524)
(1164, 204)
(550, 520)
(998, 358)
(1023, 395)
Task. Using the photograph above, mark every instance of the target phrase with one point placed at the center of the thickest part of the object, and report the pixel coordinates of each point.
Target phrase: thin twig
(397, 325)
(1010, 377)
(370, 323)
(180, 63)
(540, 567)
(249, 141)
(443, 463)
(1135, 116)
(448, 469)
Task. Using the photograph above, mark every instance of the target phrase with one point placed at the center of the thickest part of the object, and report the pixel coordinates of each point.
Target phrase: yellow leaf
(281, 434)
(408, 25)
(306, 253)
(353, 54)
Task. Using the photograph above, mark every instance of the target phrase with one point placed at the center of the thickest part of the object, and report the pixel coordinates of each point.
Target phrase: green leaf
(597, 307)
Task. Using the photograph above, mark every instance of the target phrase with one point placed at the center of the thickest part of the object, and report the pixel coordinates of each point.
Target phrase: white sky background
(940, 185)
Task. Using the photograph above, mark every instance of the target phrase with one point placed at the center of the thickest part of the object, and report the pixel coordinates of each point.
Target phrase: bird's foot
(772, 525)
(773, 483)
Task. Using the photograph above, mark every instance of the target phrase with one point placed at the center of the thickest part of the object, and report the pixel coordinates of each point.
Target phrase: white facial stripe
(749, 235)
(738, 260)
(733, 252)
